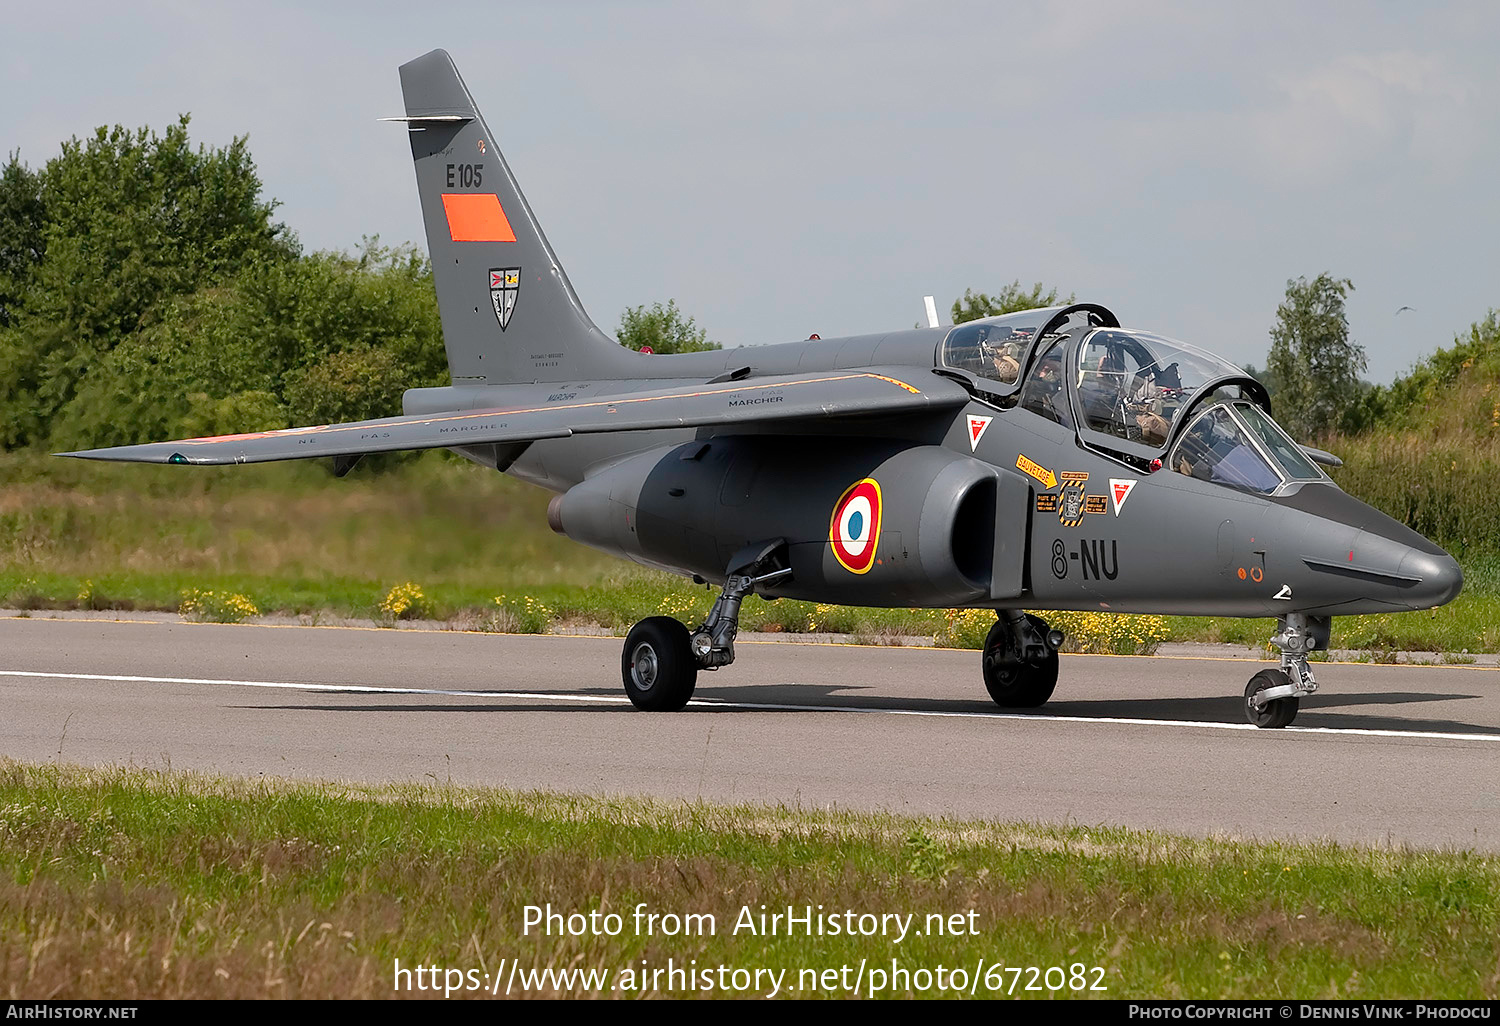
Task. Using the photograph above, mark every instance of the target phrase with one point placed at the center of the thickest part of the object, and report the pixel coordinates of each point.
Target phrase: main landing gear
(662, 658)
(1020, 660)
(1272, 696)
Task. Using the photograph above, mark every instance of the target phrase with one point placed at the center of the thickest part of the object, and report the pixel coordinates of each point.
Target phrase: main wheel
(1011, 683)
(1279, 711)
(658, 665)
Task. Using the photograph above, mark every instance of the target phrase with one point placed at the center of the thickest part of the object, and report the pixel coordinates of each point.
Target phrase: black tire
(1016, 685)
(1276, 713)
(658, 665)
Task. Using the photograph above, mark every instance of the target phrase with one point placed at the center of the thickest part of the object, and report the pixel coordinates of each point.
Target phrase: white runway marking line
(551, 696)
(365, 689)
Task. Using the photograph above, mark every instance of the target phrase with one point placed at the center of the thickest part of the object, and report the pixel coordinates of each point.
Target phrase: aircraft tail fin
(509, 312)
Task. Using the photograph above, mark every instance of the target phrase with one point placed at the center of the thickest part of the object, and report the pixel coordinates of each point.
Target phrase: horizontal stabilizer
(438, 118)
(852, 393)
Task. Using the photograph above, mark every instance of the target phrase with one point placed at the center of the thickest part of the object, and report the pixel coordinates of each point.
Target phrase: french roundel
(854, 531)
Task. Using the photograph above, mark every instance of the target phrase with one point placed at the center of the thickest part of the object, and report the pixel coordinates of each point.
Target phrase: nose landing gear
(1273, 696)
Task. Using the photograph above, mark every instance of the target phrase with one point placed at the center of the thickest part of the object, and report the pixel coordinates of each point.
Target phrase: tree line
(147, 291)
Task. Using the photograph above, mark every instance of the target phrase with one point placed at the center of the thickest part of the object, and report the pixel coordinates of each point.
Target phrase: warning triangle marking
(977, 427)
(1119, 491)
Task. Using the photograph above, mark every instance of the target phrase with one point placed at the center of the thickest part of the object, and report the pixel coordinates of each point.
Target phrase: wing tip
(124, 454)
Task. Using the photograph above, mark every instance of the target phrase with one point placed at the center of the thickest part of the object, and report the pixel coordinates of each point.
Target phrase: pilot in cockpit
(1103, 391)
(1154, 388)
(1007, 359)
(1124, 404)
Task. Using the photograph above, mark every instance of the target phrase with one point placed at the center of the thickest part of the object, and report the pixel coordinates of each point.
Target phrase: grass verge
(290, 538)
(131, 883)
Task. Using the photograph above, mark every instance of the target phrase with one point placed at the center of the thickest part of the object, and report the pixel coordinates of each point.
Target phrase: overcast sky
(785, 168)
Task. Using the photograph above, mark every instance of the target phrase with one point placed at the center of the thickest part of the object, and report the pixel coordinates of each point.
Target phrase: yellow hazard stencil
(1036, 470)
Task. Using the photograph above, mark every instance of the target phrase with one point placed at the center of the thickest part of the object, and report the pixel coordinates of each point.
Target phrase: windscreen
(1217, 448)
(1275, 441)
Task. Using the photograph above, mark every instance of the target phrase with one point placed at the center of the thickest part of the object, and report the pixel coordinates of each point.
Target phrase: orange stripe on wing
(913, 389)
(476, 217)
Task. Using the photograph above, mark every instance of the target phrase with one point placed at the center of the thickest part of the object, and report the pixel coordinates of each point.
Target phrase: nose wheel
(1272, 712)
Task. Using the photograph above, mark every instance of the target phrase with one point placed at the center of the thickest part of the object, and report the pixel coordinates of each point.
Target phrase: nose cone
(1440, 575)
(1363, 561)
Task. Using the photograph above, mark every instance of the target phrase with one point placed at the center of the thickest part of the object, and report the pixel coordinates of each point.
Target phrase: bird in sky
(1411, 308)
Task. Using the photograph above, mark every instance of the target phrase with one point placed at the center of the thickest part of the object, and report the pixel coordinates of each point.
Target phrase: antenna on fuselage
(932, 320)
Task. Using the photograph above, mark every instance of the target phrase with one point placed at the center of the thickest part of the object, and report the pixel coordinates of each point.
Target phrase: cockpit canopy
(993, 351)
(1135, 395)
(1131, 385)
(1142, 398)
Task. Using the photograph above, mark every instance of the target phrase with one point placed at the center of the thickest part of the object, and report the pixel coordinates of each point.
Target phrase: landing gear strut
(1020, 660)
(1273, 696)
(662, 658)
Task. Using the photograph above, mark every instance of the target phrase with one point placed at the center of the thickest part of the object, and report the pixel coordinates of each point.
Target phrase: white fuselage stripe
(552, 696)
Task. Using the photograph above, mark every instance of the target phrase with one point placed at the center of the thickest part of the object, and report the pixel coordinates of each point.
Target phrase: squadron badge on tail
(505, 285)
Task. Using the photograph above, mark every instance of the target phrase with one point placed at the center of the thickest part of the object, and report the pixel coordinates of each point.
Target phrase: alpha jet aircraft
(1050, 459)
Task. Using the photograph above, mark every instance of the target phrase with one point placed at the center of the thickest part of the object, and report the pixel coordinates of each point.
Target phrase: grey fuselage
(1176, 544)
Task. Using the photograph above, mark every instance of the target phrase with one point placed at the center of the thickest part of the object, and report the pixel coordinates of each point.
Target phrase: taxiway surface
(1382, 755)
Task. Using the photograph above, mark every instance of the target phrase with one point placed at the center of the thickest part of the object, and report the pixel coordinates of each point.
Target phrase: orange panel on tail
(476, 217)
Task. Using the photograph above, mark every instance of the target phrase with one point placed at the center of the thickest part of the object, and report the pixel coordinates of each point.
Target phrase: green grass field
(293, 539)
(131, 883)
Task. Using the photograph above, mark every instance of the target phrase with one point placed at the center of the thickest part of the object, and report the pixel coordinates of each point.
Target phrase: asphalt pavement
(1385, 755)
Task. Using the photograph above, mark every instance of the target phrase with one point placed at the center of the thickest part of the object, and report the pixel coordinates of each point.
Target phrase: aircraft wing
(863, 392)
